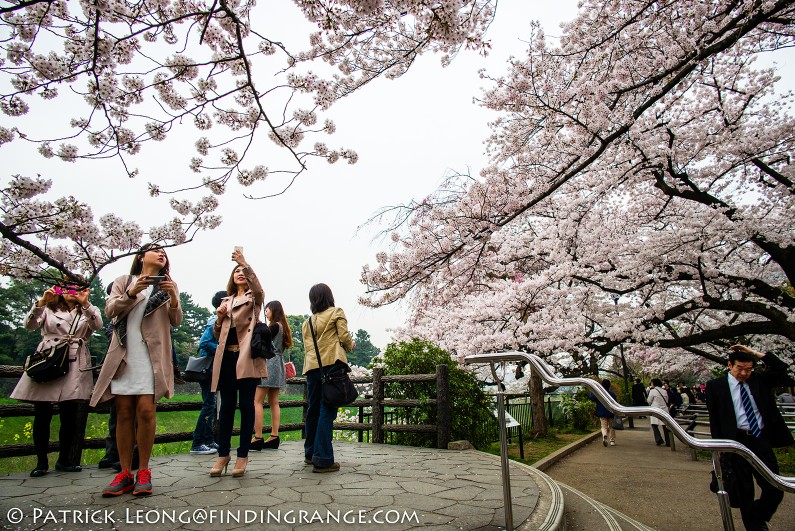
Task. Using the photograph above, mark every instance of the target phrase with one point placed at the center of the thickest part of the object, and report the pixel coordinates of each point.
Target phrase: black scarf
(158, 299)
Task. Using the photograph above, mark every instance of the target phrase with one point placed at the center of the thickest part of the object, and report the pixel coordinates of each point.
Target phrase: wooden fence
(375, 406)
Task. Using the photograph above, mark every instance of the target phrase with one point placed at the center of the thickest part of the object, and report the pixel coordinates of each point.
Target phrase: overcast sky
(409, 133)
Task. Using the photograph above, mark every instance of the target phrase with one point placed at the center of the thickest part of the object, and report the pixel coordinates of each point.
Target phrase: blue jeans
(319, 422)
(203, 433)
(230, 387)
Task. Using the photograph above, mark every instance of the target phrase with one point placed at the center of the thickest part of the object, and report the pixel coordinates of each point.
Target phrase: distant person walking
(330, 328)
(742, 408)
(658, 397)
(269, 387)
(638, 394)
(605, 416)
(56, 312)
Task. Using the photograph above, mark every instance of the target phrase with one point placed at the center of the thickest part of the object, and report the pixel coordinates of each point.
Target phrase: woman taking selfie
(57, 312)
(330, 328)
(269, 387)
(235, 373)
(138, 371)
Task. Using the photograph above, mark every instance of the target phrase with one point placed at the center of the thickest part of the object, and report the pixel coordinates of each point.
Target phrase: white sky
(408, 133)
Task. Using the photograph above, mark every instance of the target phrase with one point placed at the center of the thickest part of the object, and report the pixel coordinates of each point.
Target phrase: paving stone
(444, 489)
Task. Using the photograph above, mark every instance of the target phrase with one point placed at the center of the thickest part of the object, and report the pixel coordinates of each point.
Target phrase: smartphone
(155, 279)
(239, 248)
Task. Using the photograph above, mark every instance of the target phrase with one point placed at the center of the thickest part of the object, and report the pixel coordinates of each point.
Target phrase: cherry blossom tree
(132, 72)
(640, 192)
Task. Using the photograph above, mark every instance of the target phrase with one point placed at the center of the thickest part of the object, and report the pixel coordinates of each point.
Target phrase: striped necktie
(749, 411)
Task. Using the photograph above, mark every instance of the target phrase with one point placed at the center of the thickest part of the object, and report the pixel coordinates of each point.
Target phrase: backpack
(262, 342)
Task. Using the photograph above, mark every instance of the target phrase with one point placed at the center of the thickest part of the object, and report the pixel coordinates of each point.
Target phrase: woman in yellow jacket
(333, 340)
(235, 372)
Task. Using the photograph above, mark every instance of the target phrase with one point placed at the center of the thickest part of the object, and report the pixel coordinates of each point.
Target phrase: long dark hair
(138, 261)
(320, 298)
(277, 316)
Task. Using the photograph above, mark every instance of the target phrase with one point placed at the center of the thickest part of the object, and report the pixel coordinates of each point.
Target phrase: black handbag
(730, 482)
(199, 369)
(51, 362)
(337, 388)
(262, 342)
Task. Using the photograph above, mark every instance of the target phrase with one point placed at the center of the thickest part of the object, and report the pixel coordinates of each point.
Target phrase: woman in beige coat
(333, 340)
(235, 372)
(138, 371)
(54, 314)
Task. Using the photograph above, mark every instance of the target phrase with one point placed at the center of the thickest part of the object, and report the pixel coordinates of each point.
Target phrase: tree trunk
(537, 404)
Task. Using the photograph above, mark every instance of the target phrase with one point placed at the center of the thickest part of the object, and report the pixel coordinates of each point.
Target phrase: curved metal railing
(716, 446)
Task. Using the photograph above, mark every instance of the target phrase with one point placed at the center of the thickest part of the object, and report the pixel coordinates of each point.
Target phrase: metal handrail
(716, 446)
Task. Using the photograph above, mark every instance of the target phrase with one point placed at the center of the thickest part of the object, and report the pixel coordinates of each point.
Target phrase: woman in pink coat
(137, 370)
(54, 313)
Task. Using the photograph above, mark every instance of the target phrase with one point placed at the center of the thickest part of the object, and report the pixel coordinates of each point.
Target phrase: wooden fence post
(443, 419)
(378, 406)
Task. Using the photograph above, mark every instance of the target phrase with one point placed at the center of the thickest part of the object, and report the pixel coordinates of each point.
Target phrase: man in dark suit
(742, 407)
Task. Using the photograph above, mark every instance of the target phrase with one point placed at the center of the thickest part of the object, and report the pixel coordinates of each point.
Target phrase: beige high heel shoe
(221, 464)
(240, 467)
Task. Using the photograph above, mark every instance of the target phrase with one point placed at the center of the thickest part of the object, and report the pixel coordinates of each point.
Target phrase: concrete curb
(551, 459)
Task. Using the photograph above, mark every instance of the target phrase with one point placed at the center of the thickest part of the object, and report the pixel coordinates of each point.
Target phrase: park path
(657, 487)
(403, 487)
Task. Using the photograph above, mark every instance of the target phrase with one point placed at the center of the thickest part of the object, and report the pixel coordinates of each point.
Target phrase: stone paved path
(655, 486)
(412, 487)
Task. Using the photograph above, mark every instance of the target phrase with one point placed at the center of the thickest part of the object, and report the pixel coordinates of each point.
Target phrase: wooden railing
(376, 404)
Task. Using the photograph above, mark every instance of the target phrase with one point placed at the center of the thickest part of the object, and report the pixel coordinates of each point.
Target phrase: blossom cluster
(143, 69)
(640, 194)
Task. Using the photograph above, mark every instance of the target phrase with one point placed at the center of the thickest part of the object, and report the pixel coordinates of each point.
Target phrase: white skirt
(139, 376)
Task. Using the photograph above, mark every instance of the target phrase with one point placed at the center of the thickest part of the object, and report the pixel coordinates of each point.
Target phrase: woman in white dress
(138, 371)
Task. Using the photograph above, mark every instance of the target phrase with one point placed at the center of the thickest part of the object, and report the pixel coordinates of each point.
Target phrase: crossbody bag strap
(73, 327)
(314, 340)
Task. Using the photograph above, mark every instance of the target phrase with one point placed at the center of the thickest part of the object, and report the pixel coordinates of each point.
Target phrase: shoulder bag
(337, 388)
(199, 369)
(51, 362)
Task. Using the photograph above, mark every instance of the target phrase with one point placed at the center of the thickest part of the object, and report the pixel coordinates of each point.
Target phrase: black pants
(659, 440)
(756, 512)
(230, 387)
(42, 418)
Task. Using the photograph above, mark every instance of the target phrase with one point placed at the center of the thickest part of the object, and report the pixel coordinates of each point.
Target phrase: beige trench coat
(156, 330)
(245, 312)
(76, 384)
(333, 338)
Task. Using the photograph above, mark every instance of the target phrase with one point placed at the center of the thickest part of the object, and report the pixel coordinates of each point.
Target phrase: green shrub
(470, 408)
(577, 411)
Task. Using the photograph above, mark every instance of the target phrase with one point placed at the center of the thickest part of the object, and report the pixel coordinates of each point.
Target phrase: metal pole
(506, 474)
(723, 496)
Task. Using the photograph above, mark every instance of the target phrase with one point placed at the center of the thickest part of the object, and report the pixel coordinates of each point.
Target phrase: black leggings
(42, 417)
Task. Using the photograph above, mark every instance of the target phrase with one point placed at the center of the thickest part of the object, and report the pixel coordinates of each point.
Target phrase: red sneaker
(143, 483)
(122, 483)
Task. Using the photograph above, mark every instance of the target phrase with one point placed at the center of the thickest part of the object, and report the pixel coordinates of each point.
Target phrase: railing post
(378, 406)
(506, 473)
(360, 437)
(723, 496)
(443, 419)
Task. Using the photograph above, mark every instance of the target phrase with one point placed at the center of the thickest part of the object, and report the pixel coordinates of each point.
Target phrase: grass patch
(18, 430)
(539, 447)
(785, 456)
